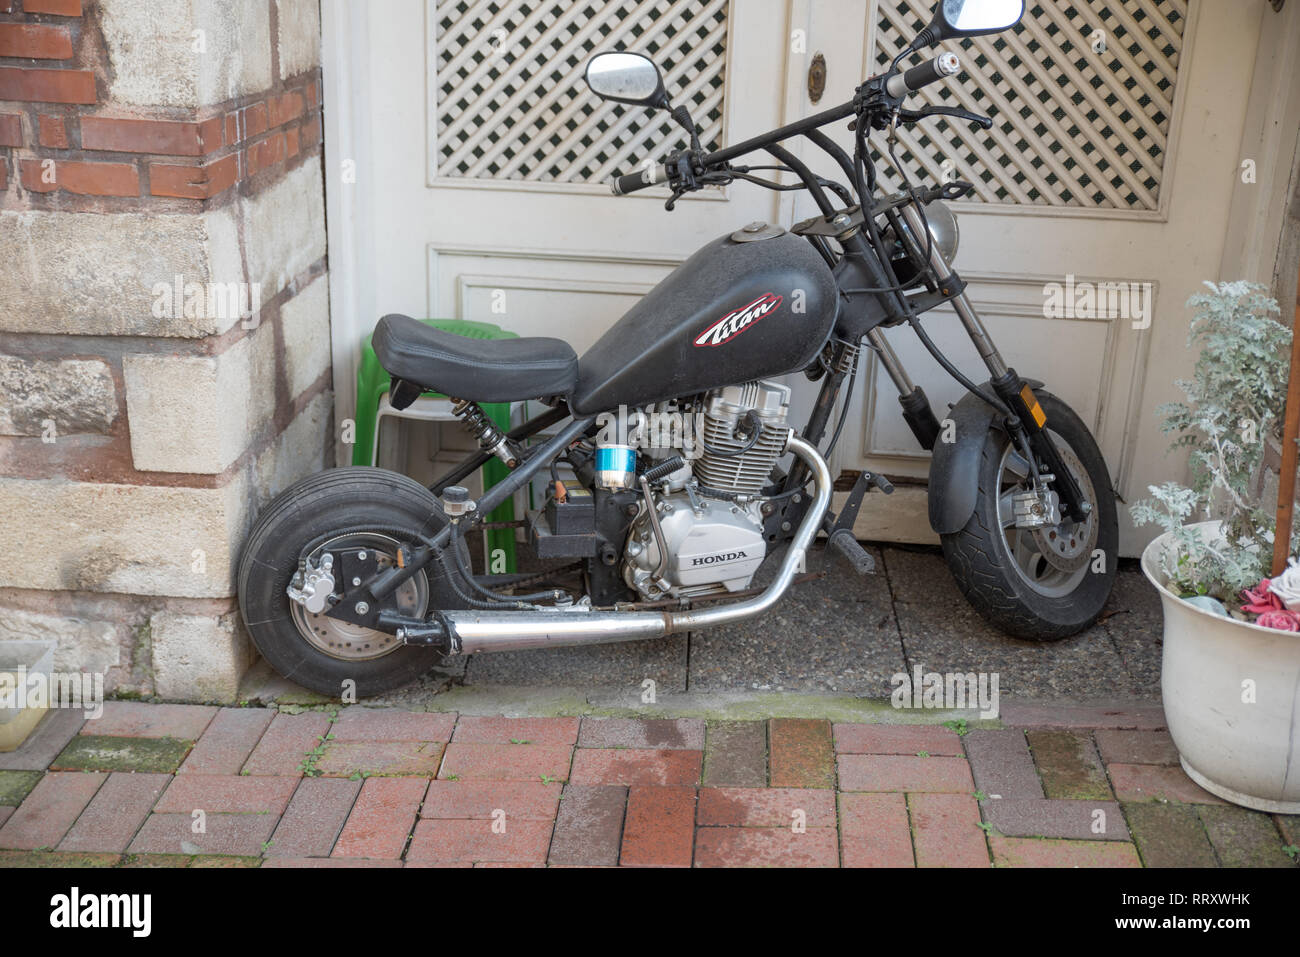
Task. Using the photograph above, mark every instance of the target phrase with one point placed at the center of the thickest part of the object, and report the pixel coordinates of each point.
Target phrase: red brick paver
(765, 807)
(228, 741)
(801, 753)
(115, 813)
(506, 762)
(382, 818)
(240, 834)
(1032, 852)
(471, 729)
(660, 827)
(48, 812)
(589, 827)
(1136, 747)
(375, 724)
(227, 794)
(765, 847)
(947, 832)
(640, 767)
(1148, 782)
(314, 818)
(896, 772)
(519, 800)
(875, 831)
(503, 841)
(896, 739)
(286, 743)
(136, 719)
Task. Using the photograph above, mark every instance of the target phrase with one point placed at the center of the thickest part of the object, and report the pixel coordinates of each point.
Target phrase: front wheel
(1041, 584)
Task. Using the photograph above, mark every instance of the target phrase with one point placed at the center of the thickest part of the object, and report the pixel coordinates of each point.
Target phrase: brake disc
(1069, 546)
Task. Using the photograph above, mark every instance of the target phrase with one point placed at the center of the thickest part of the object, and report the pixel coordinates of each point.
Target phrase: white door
(467, 166)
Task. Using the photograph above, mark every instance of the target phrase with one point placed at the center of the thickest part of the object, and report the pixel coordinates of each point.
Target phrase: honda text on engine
(364, 574)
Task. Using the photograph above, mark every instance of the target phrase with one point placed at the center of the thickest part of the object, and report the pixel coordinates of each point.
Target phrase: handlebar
(631, 182)
(932, 71)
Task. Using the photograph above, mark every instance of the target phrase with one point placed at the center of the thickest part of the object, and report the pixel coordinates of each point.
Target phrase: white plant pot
(1244, 752)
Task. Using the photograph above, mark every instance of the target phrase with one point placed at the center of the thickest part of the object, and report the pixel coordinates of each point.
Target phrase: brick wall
(164, 321)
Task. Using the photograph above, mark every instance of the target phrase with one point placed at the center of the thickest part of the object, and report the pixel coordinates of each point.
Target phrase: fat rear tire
(316, 506)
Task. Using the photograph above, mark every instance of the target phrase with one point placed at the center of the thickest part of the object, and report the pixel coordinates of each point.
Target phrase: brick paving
(178, 785)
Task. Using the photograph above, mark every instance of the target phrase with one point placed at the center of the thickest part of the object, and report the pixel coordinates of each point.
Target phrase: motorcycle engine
(710, 511)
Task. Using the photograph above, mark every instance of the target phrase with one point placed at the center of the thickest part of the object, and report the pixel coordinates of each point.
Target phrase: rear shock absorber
(489, 437)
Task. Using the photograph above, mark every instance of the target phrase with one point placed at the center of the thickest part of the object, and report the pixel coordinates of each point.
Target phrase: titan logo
(716, 559)
(734, 323)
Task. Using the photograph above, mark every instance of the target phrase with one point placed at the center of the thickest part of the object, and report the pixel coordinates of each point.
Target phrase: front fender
(954, 466)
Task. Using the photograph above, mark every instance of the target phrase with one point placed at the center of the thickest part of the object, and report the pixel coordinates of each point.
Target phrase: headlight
(945, 235)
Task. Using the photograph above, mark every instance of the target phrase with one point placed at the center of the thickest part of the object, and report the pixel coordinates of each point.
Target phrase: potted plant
(1230, 674)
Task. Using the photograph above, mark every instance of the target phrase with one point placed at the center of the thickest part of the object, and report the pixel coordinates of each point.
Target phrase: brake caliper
(312, 585)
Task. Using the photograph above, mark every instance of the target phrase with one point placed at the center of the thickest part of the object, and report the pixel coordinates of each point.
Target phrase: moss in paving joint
(46, 858)
(93, 752)
(16, 785)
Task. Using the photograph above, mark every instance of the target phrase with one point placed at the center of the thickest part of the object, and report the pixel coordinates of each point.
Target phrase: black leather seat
(481, 370)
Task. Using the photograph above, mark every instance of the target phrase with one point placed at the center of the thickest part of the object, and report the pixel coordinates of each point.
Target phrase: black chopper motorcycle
(364, 575)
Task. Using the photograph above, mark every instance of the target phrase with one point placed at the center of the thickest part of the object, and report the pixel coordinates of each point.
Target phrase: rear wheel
(371, 509)
(1048, 583)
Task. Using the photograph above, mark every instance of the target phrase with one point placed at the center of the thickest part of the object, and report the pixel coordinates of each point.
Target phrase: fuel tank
(736, 310)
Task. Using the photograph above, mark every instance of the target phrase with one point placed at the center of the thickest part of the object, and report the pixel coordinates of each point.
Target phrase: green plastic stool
(373, 382)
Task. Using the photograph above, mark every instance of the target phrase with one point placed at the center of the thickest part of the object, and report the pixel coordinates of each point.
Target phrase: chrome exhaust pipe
(472, 631)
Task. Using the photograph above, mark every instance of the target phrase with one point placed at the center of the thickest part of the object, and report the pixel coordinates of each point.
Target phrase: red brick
(506, 762)
(801, 754)
(946, 831)
(46, 86)
(286, 743)
(660, 827)
(311, 132)
(266, 153)
(1149, 782)
(135, 719)
(232, 128)
(633, 766)
(1033, 852)
(227, 794)
(291, 144)
(522, 800)
(85, 179)
(50, 810)
(326, 862)
(115, 813)
(735, 754)
(658, 733)
(11, 129)
(345, 758)
(228, 741)
(282, 109)
(253, 120)
(765, 847)
(375, 724)
(1136, 747)
(458, 841)
(169, 137)
(314, 818)
(589, 826)
(35, 41)
(53, 132)
(381, 819)
(765, 807)
(875, 830)
(242, 834)
(59, 8)
(896, 772)
(310, 95)
(479, 730)
(896, 739)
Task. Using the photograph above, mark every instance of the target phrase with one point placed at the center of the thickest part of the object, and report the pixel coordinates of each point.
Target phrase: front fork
(1026, 423)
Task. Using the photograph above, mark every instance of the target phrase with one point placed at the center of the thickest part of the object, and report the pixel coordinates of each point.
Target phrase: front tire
(322, 653)
(1047, 584)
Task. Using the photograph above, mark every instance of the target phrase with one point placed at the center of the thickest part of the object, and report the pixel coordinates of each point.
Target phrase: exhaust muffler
(471, 631)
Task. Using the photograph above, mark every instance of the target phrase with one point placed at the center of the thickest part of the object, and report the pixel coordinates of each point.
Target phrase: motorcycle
(364, 575)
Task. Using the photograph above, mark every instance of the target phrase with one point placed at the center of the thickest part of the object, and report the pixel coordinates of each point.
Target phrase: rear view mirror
(969, 18)
(626, 78)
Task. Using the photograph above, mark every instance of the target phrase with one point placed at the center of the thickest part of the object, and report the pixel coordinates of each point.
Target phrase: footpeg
(857, 556)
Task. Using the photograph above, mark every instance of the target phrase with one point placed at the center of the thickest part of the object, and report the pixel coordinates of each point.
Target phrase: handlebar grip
(940, 68)
(631, 182)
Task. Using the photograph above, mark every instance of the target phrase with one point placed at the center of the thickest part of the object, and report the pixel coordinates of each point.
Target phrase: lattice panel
(512, 104)
(1073, 126)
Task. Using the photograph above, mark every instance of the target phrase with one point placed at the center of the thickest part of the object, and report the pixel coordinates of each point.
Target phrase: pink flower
(1259, 599)
(1281, 620)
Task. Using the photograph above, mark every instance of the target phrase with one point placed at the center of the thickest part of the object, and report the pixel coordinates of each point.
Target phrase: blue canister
(615, 466)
